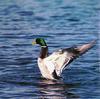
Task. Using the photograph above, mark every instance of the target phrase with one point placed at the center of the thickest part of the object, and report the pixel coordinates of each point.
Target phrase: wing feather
(57, 61)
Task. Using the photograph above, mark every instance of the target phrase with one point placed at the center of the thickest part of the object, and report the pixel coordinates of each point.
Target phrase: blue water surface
(62, 23)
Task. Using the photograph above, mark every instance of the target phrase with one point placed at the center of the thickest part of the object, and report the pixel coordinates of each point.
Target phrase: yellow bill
(33, 42)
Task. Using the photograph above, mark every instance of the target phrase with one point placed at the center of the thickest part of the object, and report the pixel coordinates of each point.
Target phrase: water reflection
(56, 89)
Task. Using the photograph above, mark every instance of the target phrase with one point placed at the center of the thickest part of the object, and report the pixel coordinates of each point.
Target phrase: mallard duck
(51, 66)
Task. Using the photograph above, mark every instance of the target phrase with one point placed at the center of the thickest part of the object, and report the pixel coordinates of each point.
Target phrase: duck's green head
(39, 41)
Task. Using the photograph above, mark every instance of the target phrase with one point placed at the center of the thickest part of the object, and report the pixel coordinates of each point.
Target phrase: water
(62, 23)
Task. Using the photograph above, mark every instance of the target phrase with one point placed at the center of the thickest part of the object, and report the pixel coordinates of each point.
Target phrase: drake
(52, 66)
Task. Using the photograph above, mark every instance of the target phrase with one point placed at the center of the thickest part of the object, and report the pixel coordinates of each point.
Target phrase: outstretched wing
(60, 59)
(57, 61)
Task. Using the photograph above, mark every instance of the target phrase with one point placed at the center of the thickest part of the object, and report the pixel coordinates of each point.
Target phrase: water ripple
(62, 24)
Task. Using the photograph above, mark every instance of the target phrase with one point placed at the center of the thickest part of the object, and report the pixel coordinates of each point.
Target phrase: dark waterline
(62, 23)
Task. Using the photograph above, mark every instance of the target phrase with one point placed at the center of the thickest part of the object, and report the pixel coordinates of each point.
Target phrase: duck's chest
(43, 69)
